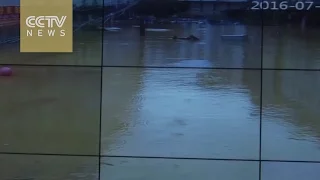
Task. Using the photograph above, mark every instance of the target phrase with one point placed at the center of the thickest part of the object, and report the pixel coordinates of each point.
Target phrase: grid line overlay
(102, 67)
(101, 93)
(261, 99)
(157, 157)
(162, 67)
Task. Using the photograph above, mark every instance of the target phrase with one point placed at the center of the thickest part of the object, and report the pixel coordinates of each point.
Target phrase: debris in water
(108, 164)
(235, 37)
(157, 30)
(113, 29)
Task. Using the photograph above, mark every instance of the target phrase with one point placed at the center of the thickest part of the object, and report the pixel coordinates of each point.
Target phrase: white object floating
(235, 37)
(124, 44)
(157, 30)
(112, 29)
(192, 63)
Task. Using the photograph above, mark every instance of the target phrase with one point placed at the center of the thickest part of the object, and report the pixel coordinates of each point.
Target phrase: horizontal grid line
(48, 154)
(160, 67)
(160, 157)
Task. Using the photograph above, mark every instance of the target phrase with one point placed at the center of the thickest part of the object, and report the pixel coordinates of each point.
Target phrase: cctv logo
(33, 21)
(48, 23)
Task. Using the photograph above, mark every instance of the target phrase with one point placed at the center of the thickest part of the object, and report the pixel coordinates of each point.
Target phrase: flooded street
(157, 49)
(164, 123)
(181, 113)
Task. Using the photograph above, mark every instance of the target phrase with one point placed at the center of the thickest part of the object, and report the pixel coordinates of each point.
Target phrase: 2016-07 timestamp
(282, 5)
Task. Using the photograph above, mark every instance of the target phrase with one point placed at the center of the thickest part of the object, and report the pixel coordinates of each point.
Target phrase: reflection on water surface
(197, 113)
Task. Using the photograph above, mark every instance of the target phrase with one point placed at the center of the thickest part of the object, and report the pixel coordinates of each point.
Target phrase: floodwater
(279, 50)
(154, 117)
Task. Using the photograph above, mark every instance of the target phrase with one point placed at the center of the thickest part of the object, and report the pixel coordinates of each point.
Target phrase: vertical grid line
(261, 92)
(101, 91)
